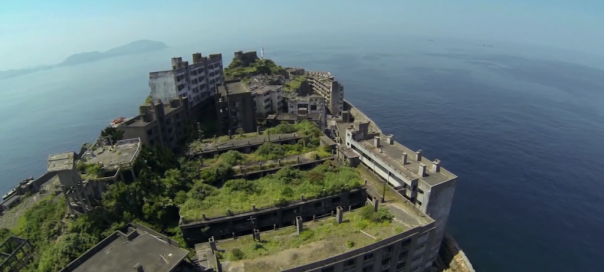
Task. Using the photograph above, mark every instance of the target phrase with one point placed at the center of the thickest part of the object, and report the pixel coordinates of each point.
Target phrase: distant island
(135, 47)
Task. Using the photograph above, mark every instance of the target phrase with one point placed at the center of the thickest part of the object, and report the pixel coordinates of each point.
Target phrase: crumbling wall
(451, 258)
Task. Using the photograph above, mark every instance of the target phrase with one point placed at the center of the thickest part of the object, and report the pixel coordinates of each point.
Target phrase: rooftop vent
(436, 166)
(376, 141)
(390, 139)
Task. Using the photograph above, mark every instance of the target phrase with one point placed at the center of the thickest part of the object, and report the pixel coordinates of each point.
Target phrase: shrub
(349, 244)
(237, 254)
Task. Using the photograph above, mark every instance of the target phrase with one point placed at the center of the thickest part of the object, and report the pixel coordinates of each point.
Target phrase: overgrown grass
(273, 190)
(89, 170)
(294, 84)
(344, 237)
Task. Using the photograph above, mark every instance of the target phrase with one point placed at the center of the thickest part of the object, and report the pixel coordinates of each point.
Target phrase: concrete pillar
(421, 171)
(418, 155)
(302, 197)
(67, 198)
(229, 213)
(230, 136)
(257, 235)
(436, 166)
(212, 244)
(404, 158)
(279, 162)
(298, 159)
(376, 204)
(299, 225)
(204, 217)
(258, 130)
(390, 139)
(253, 207)
(376, 141)
(339, 214)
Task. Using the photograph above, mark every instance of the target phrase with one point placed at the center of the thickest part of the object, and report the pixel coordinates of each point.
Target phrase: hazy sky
(37, 32)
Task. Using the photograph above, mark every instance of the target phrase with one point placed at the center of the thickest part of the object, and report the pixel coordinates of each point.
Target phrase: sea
(522, 127)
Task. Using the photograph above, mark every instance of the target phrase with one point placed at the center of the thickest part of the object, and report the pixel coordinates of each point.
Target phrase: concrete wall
(269, 218)
(163, 86)
(402, 252)
(438, 207)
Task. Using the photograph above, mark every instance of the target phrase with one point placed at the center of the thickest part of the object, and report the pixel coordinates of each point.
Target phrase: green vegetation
(89, 170)
(294, 84)
(354, 232)
(240, 70)
(284, 186)
(113, 133)
(148, 100)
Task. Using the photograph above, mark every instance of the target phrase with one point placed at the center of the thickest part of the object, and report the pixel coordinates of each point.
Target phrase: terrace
(287, 185)
(322, 240)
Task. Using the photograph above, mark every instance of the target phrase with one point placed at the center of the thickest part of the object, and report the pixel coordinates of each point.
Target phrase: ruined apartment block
(197, 81)
(324, 84)
(83, 189)
(159, 123)
(422, 182)
(235, 108)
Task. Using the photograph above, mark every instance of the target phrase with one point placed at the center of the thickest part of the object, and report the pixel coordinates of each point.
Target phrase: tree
(113, 133)
(240, 131)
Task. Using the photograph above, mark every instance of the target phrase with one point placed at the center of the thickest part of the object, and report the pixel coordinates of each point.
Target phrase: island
(252, 167)
(136, 47)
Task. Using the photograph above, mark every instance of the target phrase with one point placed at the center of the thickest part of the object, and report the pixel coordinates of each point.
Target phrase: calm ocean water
(521, 127)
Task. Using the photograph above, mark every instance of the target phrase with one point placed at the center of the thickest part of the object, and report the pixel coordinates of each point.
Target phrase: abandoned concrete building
(235, 107)
(424, 183)
(269, 99)
(197, 81)
(84, 178)
(325, 85)
(135, 248)
(400, 246)
(159, 123)
(307, 105)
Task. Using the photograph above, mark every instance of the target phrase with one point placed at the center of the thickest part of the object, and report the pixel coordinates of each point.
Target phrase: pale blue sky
(37, 32)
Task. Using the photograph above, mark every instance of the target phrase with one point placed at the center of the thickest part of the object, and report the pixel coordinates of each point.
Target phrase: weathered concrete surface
(451, 258)
(360, 116)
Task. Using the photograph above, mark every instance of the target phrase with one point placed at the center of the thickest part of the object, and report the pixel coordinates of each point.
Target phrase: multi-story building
(269, 99)
(424, 183)
(235, 107)
(159, 123)
(310, 105)
(134, 248)
(84, 177)
(197, 81)
(325, 85)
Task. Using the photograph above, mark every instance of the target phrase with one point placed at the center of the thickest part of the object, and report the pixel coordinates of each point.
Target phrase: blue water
(522, 127)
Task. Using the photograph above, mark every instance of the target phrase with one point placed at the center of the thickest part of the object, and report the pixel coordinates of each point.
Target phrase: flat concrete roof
(393, 154)
(124, 152)
(61, 162)
(121, 254)
(234, 88)
(285, 249)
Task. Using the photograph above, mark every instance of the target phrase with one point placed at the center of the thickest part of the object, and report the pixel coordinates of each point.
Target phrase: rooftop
(121, 252)
(294, 117)
(234, 88)
(285, 249)
(61, 162)
(392, 155)
(124, 152)
(285, 186)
